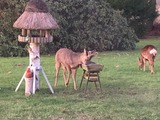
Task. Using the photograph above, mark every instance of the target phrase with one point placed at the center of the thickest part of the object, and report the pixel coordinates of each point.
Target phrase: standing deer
(148, 53)
(70, 61)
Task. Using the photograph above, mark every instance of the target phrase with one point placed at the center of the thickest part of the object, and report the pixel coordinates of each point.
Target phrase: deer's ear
(93, 53)
(85, 52)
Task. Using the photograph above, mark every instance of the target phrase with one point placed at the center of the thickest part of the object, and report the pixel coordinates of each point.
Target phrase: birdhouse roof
(36, 16)
(36, 6)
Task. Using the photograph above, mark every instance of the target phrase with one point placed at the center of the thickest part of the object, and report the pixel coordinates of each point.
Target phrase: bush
(91, 24)
(83, 24)
(9, 12)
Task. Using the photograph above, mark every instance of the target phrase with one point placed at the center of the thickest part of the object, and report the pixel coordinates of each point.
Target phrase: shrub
(91, 24)
(83, 24)
(9, 11)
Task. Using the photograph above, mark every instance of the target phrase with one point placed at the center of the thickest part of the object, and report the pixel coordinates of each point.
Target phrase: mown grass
(128, 93)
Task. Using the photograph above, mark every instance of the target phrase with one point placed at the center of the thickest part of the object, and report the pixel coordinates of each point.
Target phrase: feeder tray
(35, 39)
(92, 67)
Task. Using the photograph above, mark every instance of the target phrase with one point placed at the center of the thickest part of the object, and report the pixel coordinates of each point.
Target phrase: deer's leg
(74, 71)
(151, 65)
(64, 74)
(144, 64)
(69, 74)
(57, 66)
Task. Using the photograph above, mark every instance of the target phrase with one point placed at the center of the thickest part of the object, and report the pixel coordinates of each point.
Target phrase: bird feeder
(36, 24)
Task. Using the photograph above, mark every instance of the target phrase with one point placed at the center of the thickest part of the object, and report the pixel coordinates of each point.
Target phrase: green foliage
(91, 24)
(139, 13)
(9, 12)
(83, 24)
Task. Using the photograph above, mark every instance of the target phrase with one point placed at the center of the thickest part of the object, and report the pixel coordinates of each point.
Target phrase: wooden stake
(47, 33)
(24, 32)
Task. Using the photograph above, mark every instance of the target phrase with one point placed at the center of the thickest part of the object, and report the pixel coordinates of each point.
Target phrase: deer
(148, 53)
(70, 62)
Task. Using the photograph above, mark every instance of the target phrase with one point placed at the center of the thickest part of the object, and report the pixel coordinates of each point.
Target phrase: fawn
(70, 61)
(148, 53)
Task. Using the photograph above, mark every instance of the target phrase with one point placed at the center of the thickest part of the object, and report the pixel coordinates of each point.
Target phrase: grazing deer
(148, 53)
(70, 61)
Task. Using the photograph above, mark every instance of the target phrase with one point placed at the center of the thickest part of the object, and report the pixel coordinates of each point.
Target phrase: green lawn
(128, 93)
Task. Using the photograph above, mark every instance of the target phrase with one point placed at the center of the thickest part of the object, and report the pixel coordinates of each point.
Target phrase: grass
(128, 93)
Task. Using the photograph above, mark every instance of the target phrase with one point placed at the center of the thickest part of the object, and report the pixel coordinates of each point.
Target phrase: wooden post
(42, 33)
(47, 33)
(28, 32)
(24, 32)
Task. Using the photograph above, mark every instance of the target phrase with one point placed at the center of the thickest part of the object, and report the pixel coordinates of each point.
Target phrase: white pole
(34, 61)
(20, 82)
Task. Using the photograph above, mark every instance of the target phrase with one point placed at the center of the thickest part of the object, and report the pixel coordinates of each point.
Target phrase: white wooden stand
(34, 62)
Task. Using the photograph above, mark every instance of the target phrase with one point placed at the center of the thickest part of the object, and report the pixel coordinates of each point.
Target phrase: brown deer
(148, 53)
(70, 61)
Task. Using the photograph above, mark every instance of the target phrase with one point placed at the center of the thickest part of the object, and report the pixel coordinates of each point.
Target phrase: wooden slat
(35, 39)
(92, 67)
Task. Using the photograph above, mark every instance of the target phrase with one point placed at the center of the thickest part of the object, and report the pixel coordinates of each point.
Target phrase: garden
(127, 92)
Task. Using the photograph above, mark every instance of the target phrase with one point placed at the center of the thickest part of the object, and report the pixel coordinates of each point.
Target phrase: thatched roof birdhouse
(36, 23)
(35, 17)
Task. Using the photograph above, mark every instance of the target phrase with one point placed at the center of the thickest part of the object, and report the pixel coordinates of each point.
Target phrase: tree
(139, 13)
(9, 11)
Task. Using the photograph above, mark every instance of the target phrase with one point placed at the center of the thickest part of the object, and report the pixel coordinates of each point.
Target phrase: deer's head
(87, 56)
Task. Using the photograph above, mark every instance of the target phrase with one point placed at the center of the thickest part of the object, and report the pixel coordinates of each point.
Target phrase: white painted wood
(50, 87)
(34, 87)
(20, 82)
(34, 62)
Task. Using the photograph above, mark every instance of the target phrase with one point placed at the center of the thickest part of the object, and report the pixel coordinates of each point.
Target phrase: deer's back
(148, 51)
(66, 56)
